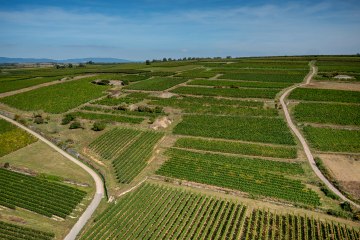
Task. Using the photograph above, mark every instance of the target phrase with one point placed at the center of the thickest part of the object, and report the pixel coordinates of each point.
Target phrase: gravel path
(99, 184)
(305, 146)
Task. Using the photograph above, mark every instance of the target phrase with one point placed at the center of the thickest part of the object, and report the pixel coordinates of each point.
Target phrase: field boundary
(295, 130)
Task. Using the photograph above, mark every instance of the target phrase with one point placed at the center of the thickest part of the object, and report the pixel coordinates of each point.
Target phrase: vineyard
(237, 148)
(234, 84)
(13, 138)
(254, 176)
(253, 129)
(228, 92)
(7, 85)
(57, 98)
(289, 78)
(340, 114)
(153, 212)
(129, 150)
(156, 84)
(333, 140)
(37, 195)
(10, 231)
(269, 226)
(325, 95)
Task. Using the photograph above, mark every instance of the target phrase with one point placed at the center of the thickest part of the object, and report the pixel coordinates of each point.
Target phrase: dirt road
(305, 146)
(98, 182)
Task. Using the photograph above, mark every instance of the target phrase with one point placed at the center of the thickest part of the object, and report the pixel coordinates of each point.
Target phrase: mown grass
(253, 129)
(328, 113)
(237, 148)
(333, 140)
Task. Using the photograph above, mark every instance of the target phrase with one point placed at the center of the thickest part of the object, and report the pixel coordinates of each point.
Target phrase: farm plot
(228, 92)
(333, 140)
(235, 84)
(340, 114)
(154, 212)
(266, 225)
(16, 232)
(325, 95)
(214, 106)
(13, 138)
(12, 85)
(279, 65)
(108, 117)
(237, 148)
(142, 111)
(197, 73)
(58, 98)
(289, 78)
(350, 66)
(156, 84)
(253, 129)
(254, 176)
(37, 195)
(129, 150)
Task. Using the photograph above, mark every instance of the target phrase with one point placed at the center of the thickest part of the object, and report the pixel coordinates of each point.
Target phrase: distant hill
(72, 60)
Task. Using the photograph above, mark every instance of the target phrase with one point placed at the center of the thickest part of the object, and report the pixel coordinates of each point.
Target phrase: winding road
(99, 184)
(305, 146)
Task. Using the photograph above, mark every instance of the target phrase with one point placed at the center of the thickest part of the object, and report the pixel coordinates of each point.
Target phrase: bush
(122, 107)
(329, 193)
(6, 165)
(38, 119)
(99, 126)
(158, 109)
(67, 119)
(346, 206)
(75, 125)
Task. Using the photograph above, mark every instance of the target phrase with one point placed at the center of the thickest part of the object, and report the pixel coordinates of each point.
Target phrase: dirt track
(304, 144)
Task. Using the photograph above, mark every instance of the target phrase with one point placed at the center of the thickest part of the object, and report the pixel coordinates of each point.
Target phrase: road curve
(305, 146)
(99, 184)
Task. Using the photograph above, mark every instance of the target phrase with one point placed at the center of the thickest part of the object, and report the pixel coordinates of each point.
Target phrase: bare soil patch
(162, 122)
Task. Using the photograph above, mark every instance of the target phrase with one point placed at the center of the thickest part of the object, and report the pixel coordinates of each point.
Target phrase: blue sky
(147, 29)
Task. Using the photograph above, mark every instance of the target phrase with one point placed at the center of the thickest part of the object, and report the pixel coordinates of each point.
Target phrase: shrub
(75, 125)
(99, 126)
(67, 119)
(346, 206)
(39, 119)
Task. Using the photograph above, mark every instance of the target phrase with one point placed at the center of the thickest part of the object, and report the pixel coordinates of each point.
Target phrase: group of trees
(148, 62)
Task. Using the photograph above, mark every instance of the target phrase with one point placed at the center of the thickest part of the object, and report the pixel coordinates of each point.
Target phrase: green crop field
(234, 84)
(156, 84)
(197, 73)
(333, 140)
(328, 113)
(266, 225)
(129, 150)
(13, 138)
(228, 92)
(14, 84)
(325, 95)
(108, 117)
(10, 231)
(58, 98)
(237, 148)
(37, 195)
(289, 78)
(153, 212)
(255, 176)
(253, 129)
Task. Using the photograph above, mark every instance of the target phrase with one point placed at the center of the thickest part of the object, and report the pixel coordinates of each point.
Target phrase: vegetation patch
(237, 148)
(108, 117)
(255, 176)
(16, 232)
(37, 194)
(156, 84)
(253, 129)
(236, 84)
(290, 78)
(333, 140)
(325, 95)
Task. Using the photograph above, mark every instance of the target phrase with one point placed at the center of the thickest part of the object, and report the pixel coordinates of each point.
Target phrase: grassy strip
(237, 148)
(235, 84)
(333, 140)
(328, 113)
(326, 95)
(108, 117)
(228, 92)
(156, 84)
(254, 129)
